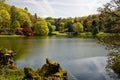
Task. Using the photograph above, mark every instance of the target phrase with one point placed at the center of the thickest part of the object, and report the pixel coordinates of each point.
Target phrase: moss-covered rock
(6, 58)
(49, 71)
(53, 71)
(30, 74)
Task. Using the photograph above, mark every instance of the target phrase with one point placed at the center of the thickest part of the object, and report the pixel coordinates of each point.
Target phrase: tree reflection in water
(112, 43)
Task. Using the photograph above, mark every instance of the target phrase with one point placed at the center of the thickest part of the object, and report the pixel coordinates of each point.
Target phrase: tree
(95, 28)
(62, 27)
(35, 15)
(22, 17)
(77, 27)
(69, 24)
(111, 10)
(13, 14)
(50, 20)
(26, 24)
(26, 9)
(15, 25)
(4, 19)
(50, 27)
(112, 43)
(40, 28)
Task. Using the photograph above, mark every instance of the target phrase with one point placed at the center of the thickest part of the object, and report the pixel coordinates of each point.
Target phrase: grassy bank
(12, 36)
(11, 74)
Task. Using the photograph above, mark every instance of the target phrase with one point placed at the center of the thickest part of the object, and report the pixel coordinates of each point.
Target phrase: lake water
(84, 59)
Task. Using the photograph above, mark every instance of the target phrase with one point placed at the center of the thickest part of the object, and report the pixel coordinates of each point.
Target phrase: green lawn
(12, 36)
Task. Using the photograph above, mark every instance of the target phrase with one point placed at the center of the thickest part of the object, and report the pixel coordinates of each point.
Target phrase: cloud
(60, 8)
(41, 7)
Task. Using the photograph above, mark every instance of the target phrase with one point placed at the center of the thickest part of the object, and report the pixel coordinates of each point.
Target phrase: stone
(53, 70)
(6, 57)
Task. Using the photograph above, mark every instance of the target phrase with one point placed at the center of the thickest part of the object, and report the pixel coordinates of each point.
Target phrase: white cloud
(60, 8)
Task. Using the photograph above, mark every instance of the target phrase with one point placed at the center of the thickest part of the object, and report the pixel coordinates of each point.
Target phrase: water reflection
(84, 59)
(88, 69)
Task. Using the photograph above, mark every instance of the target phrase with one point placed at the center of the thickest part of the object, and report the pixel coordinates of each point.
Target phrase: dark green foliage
(26, 24)
(30, 74)
(116, 63)
(13, 14)
(95, 30)
(111, 10)
(112, 43)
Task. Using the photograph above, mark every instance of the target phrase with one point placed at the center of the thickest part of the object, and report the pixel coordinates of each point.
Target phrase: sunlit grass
(12, 36)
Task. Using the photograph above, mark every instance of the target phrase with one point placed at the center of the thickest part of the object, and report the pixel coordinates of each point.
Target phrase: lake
(83, 58)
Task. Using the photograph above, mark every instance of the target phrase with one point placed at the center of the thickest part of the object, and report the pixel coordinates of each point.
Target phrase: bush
(40, 28)
(27, 31)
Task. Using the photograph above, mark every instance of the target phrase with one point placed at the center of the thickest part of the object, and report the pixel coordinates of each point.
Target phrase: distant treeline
(19, 21)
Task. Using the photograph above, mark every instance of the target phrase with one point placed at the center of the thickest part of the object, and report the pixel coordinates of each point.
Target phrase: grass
(58, 33)
(12, 36)
(85, 35)
(12, 74)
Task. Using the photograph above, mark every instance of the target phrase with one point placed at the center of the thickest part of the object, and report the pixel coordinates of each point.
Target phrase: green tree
(50, 27)
(35, 15)
(13, 14)
(4, 19)
(77, 27)
(111, 10)
(50, 20)
(15, 25)
(69, 24)
(95, 28)
(62, 27)
(26, 24)
(22, 17)
(40, 28)
(112, 43)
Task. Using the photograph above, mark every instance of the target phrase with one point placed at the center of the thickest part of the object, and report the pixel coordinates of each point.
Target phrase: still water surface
(84, 59)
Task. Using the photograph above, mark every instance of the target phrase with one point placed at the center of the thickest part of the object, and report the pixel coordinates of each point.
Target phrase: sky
(60, 8)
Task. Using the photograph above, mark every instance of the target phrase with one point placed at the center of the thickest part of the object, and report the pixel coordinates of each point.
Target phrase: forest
(14, 20)
(20, 22)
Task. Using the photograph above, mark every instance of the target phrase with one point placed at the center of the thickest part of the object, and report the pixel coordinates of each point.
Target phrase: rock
(53, 70)
(30, 74)
(6, 58)
(49, 71)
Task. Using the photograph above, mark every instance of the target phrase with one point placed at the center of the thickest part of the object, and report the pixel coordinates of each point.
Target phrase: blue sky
(60, 8)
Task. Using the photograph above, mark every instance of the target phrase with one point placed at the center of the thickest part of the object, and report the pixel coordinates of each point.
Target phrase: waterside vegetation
(17, 21)
(9, 71)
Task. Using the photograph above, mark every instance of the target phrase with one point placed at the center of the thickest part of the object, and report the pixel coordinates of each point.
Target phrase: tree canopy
(40, 28)
(77, 27)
